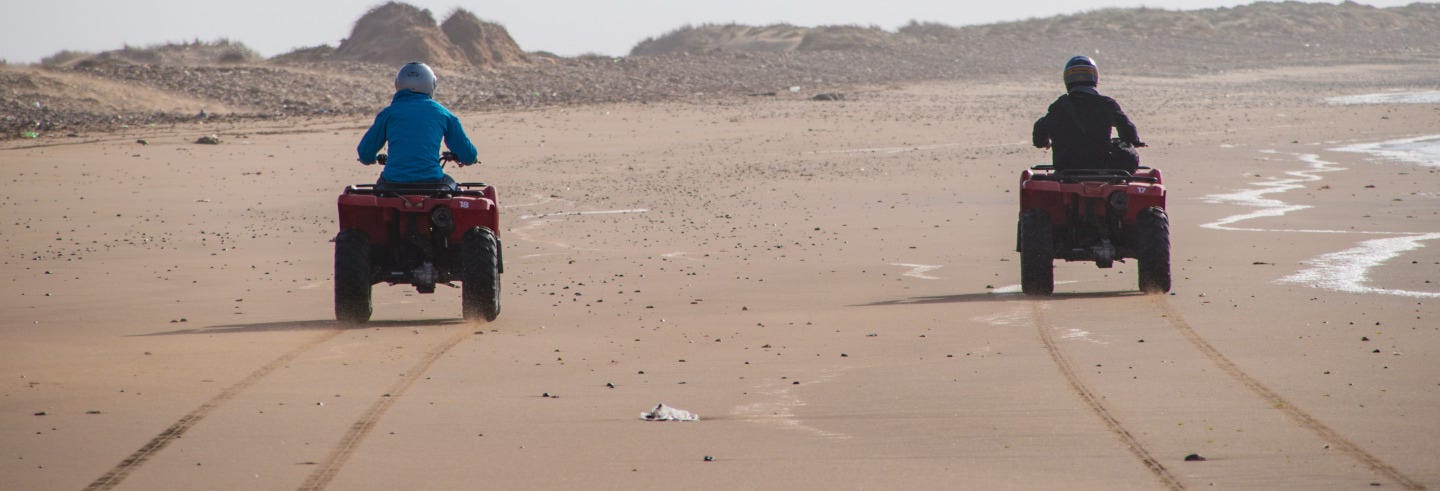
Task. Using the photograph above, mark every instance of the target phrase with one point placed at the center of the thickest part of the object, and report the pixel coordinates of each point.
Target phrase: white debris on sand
(667, 413)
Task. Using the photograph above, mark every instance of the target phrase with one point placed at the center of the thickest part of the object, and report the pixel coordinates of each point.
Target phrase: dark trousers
(447, 182)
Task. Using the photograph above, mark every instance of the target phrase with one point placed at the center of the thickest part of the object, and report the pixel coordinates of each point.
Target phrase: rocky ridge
(711, 61)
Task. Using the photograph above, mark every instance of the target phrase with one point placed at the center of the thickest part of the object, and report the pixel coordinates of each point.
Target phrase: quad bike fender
(1043, 195)
(475, 212)
(1055, 197)
(364, 213)
(1143, 196)
(374, 214)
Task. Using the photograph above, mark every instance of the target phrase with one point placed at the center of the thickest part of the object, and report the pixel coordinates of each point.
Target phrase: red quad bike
(419, 234)
(1099, 215)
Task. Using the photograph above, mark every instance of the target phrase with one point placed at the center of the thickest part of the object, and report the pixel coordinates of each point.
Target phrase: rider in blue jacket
(414, 125)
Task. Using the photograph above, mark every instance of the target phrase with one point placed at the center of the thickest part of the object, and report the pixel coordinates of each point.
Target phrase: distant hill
(397, 33)
(219, 52)
(1286, 24)
(483, 43)
(1261, 20)
(484, 69)
(738, 38)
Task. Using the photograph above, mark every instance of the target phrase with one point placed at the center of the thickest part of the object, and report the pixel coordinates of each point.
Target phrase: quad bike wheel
(352, 277)
(1152, 229)
(1037, 253)
(480, 262)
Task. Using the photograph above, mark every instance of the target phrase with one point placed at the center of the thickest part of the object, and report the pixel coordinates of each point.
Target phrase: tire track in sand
(1068, 369)
(328, 469)
(118, 473)
(1299, 416)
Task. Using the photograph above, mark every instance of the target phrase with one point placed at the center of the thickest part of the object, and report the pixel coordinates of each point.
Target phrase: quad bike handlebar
(444, 157)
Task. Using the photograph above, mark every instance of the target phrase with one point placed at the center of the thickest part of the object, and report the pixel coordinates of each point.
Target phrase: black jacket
(1076, 148)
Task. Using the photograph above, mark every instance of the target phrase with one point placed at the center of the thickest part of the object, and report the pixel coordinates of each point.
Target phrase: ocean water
(1267, 207)
(1348, 270)
(1421, 150)
(1422, 97)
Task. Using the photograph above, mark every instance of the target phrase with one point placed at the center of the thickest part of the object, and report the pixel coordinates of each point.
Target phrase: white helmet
(417, 77)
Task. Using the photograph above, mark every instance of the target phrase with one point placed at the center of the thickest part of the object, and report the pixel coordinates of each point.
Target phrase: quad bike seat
(447, 186)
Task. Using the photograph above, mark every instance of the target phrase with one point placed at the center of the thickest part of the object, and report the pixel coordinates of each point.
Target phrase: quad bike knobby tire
(1037, 253)
(352, 277)
(1152, 233)
(480, 280)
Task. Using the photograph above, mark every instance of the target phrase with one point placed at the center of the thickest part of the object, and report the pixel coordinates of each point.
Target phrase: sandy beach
(830, 285)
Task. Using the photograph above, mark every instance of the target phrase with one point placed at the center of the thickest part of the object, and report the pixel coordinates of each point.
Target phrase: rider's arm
(1041, 134)
(1125, 128)
(458, 143)
(374, 139)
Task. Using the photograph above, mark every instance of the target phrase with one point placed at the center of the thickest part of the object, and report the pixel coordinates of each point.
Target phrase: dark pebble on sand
(1195, 457)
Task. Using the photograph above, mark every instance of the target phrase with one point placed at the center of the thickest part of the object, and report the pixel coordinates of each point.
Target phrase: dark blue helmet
(1081, 71)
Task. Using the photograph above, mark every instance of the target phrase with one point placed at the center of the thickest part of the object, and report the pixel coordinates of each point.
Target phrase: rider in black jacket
(1077, 126)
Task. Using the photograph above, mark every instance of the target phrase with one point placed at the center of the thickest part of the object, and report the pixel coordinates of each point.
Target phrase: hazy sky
(32, 29)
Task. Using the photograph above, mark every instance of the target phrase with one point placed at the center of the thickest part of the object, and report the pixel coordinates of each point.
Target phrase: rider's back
(1079, 135)
(414, 125)
(1077, 125)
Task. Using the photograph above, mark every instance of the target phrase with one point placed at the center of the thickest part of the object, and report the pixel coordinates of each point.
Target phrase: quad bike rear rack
(1082, 175)
(475, 189)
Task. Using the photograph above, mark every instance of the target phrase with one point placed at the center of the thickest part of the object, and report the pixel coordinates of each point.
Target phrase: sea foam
(1421, 97)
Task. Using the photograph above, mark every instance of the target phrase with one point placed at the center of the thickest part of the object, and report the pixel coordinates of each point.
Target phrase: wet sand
(829, 285)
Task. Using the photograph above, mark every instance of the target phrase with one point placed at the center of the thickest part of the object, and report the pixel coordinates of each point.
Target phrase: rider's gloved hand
(451, 157)
(1138, 144)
